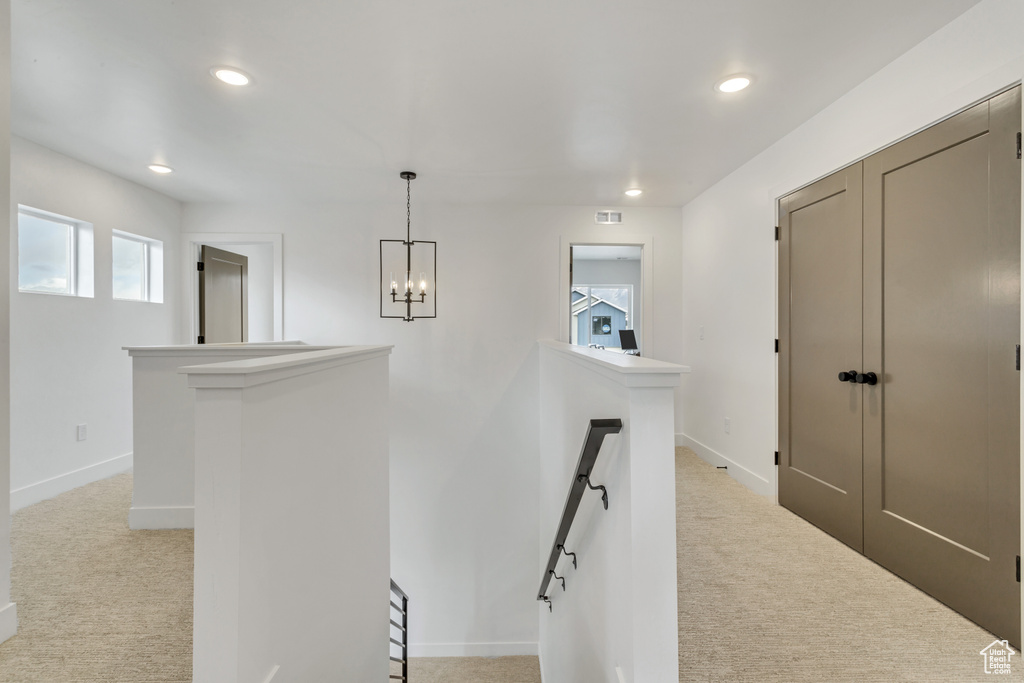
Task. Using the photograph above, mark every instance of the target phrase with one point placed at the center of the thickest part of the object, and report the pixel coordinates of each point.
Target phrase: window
(602, 325)
(137, 267)
(54, 254)
(599, 312)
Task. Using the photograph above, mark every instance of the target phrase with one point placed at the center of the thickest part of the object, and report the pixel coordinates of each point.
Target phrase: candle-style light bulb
(423, 283)
(408, 283)
(394, 284)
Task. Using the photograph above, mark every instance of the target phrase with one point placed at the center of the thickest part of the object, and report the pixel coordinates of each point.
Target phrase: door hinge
(1018, 145)
(1018, 356)
(200, 266)
(202, 340)
(776, 346)
(776, 457)
(1018, 569)
(778, 230)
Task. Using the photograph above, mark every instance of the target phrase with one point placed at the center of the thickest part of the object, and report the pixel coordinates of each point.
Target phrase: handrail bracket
(596, 432)
(599, 487)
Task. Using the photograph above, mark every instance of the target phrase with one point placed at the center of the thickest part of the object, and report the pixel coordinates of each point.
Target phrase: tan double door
(899, 388)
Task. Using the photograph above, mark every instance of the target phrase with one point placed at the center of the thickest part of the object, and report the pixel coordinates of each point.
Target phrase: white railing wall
(292, 541)
(163, 432)
(617, 619)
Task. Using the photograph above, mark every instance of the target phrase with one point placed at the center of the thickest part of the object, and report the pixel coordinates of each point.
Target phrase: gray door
(820, 464)
(941, 325)
(223, 297)
(922, 300)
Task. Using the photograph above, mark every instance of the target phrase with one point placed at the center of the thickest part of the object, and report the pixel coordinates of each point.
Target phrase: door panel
(941, 324)
(820, 471)
(223, 297)
(935, 340)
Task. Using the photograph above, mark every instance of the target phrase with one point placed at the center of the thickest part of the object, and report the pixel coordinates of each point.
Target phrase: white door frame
(586, 237)
(191, 242)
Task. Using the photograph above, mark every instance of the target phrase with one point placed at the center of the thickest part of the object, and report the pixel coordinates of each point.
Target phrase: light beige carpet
(474, 670)
(765, 596)
(99, 603)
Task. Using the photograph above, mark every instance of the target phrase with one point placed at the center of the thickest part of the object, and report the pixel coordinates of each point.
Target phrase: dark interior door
(820, 430)
(921, 299)
(223, 297)
(942, 324)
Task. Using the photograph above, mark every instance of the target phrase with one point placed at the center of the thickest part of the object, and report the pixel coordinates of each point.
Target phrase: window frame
(152, 267)
(79, 253)
(129, 237)
(589, 308)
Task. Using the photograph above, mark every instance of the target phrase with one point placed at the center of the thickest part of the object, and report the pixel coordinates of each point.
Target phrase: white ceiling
(533, 101)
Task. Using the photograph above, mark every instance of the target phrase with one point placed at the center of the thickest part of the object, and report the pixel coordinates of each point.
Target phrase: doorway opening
(605, 295)
(223, 296)
(265, 292)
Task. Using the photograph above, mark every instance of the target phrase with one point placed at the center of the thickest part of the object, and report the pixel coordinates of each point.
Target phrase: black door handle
(869, 378)
(850, 376)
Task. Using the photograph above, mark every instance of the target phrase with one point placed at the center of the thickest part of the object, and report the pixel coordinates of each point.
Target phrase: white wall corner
(48, 488)
(752, 481)
(473, 649)
(8, 621)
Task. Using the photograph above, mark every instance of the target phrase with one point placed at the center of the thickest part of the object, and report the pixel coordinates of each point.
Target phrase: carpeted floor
(98, 603)
(474, 670)
(765, 596)
(95, 601)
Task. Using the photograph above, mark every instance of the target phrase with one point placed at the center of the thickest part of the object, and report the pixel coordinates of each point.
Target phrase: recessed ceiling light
(634, 192)
(160, 168)
(733, 83)
(230, 75)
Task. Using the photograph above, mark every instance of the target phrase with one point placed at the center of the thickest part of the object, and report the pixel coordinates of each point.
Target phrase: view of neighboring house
(596, 320)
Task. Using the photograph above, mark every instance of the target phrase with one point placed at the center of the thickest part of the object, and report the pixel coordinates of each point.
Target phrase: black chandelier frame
(408, 298)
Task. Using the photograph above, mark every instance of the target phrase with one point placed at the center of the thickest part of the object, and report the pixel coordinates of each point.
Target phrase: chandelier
(411, 267)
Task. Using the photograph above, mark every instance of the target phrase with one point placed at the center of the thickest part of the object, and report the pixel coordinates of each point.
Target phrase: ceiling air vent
(608, 217)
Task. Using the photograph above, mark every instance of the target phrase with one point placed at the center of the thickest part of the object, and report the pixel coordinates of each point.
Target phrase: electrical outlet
(728, 426)
(81, 432)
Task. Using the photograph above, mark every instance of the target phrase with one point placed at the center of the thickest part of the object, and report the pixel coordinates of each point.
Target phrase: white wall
(8, 616)
(464, 443)
(67, 366)
(588, 272)
(729, 252)
(291, 570)
(618, 609)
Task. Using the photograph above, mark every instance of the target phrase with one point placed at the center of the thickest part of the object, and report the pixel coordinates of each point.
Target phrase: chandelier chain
(408, 209)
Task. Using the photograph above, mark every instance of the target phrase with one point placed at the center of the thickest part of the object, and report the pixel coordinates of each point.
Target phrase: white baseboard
(34, 493)
(752, 481)
(162, 517)
(472, 649)
(8, 621)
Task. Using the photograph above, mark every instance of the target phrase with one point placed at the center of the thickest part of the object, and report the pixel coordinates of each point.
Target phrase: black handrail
(580, 481)
(403, 612)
